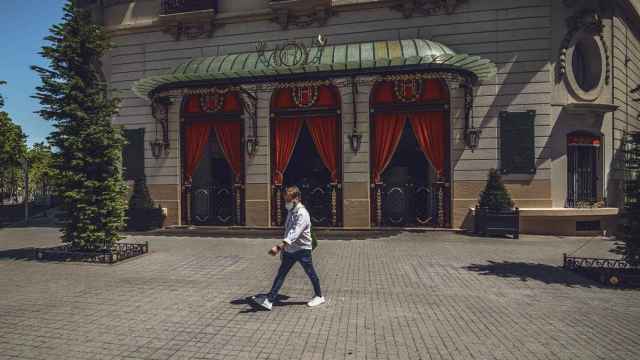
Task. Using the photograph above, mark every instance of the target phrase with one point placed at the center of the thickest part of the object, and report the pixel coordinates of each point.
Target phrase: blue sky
(23, 25)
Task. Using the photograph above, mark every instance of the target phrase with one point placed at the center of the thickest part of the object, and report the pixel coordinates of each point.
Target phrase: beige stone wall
(553, 225)
(168, 197)
(515, 34)
(626, 76)
(525, 194)
(257, 205)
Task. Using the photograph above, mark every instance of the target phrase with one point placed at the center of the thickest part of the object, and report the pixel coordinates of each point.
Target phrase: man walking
(296, 247)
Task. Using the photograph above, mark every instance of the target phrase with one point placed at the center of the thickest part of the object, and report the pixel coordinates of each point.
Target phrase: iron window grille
(583, 155)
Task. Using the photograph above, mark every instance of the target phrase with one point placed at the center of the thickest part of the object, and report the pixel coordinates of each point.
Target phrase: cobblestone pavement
(409, 296)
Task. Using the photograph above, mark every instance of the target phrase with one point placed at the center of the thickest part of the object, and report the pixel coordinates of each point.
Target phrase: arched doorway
(213, 158)
(306, 150)
(410, 153)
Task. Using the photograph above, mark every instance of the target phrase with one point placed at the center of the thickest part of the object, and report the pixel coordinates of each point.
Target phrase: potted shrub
(142, 214)
(495, 214)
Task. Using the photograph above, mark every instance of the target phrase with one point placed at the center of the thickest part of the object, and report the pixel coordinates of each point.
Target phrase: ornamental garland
(451, 77)
(207, 99)
(430, 75)
(297, 93)
(198, 91)
(400, 85)
(294, 85)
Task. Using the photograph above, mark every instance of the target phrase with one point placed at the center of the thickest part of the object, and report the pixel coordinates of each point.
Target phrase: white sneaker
(318, 300)
(263, 302)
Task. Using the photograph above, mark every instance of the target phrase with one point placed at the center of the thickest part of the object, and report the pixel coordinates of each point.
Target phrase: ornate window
(587, 73)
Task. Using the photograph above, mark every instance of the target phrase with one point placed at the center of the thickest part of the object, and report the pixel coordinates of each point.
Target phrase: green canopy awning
(330, 60)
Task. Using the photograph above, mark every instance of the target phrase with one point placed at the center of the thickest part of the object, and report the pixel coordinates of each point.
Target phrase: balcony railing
(170, 7)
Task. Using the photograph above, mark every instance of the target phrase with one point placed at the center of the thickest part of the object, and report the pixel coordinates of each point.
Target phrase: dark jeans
(288, 260)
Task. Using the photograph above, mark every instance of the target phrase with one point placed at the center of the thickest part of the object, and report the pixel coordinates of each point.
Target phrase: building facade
(386, 113)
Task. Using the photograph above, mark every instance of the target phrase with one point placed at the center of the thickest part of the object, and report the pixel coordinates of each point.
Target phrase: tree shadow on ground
(18, 254)
(618, 248)
(280, 301)
(522, 271)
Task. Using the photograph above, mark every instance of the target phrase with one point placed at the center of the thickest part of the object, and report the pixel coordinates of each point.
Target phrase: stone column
(163, 173)
(257, 167)
(356, 178)
(463, 195)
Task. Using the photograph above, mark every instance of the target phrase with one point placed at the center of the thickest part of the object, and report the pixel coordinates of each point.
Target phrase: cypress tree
(495, 196)
(87, 164)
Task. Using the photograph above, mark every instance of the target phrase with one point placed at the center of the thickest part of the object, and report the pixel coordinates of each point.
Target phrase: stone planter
(143, 219)
(506, 222)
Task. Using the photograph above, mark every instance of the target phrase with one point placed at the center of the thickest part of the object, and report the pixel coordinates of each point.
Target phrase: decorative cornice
(410, 8)
(301, 13)
(190, 26)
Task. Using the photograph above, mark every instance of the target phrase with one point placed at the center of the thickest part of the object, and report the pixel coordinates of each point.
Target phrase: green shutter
(517, 142)
(133, 154)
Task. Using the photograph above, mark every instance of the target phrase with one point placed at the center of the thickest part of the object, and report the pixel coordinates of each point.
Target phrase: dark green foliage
(87, 172)
(13, 145)
(13, 148)
(495, 196)
(1, 98)
(140, 199)
(40, 171)
(632, 207)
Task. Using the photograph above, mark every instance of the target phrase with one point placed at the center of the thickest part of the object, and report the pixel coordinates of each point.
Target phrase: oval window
(587, 64)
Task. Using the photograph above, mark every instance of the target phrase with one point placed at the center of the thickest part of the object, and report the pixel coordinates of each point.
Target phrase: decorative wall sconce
(252, 146)
(471, 133)
(472, 138)
(156, 148)
(250, 107)
(355, 139)
(160, 112)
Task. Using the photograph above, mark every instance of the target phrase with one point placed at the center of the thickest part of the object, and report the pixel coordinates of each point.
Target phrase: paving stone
(409, 296)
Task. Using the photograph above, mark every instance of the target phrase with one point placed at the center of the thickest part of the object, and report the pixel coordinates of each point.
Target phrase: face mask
(289, 205)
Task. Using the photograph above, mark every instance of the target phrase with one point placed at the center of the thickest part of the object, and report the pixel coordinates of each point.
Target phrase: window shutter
(517, 142)
(133, 154)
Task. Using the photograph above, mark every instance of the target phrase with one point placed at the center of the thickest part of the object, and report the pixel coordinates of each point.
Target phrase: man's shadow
(281, 300)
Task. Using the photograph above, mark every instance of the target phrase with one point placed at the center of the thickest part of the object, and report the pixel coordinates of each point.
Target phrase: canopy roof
(330, 60)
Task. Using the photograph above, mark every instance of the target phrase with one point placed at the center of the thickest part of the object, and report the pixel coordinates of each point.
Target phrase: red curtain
(387, 131)
(428, 128)
(197, 136)
(323, 132)
(229, 134)
(193, 104)
(287, 132)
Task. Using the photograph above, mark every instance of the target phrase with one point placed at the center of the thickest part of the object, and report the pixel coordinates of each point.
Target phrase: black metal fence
(182, 6)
